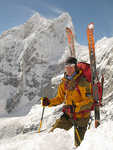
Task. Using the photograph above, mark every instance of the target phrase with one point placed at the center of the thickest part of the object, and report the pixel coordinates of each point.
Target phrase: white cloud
(56, 10)
(53, 10)
(29, 11)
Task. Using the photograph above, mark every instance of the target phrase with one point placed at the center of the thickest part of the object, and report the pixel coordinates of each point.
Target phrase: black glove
(45, 101)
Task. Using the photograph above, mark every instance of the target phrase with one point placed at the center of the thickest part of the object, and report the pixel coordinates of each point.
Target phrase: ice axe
(41, 120)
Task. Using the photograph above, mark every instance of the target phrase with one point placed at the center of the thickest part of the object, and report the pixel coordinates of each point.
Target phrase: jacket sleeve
(60, 96)
(86, 102)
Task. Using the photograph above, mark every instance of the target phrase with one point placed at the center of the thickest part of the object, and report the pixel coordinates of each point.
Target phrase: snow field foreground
(57, 140)
(99, 139)
(95, 139)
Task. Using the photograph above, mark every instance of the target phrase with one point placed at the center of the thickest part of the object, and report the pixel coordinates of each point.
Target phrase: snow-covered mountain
(29, 55)
(31, 65)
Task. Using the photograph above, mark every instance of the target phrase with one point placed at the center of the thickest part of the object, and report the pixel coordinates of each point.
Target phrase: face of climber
(69, 69)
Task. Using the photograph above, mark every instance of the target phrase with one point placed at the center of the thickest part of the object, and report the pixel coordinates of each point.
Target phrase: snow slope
(95, 139)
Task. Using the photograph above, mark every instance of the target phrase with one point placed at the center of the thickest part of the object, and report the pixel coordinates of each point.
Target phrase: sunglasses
(70, 65)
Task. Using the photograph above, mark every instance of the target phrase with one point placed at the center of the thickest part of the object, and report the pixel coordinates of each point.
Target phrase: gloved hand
(68, 110)
(45, 101)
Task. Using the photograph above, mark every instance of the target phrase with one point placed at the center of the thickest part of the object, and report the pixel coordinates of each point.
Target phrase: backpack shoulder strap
(76, 84)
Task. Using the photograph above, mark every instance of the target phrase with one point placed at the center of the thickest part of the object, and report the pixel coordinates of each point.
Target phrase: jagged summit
(36, 23)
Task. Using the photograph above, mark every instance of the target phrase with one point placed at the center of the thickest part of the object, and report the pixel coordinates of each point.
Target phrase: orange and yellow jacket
(77, 91)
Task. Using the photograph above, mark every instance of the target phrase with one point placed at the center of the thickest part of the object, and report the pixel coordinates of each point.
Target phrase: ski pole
(77, 133)
(41, 120)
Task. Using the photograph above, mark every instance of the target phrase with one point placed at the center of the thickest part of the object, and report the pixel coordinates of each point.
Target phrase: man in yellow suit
(75, 92)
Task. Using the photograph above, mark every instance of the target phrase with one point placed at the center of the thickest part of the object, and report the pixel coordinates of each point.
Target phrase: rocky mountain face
(29, 56)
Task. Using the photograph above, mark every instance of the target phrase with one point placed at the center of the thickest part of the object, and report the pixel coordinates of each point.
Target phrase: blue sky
(16, 12)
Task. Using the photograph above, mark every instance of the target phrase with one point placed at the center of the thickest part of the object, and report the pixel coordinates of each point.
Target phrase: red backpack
(85, 67)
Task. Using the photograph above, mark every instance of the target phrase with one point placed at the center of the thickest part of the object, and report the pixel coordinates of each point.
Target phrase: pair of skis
(94, 80)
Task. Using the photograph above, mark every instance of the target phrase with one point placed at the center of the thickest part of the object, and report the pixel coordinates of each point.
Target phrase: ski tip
(91, 26)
